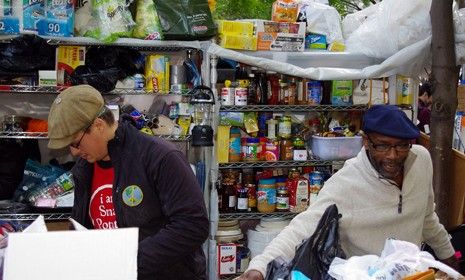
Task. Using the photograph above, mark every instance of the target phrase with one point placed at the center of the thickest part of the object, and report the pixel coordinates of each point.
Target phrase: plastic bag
(371, 92)
(396, 254)
(147, 22)
(27, 53)
(322, 19)
(105, 66)
(313, 258)
(111, 19)
(185, 19)
(389, 29)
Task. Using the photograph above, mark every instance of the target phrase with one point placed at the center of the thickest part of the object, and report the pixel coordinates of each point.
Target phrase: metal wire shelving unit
(256, 215)
(293, 108)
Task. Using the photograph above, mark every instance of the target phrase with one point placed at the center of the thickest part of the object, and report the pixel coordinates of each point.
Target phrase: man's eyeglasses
(404, 147)
(76, 145)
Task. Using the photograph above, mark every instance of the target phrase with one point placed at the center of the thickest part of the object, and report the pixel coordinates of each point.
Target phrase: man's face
(90, 144)
(387, 153)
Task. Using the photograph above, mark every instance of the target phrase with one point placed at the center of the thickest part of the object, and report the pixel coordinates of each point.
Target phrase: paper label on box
(227, 259)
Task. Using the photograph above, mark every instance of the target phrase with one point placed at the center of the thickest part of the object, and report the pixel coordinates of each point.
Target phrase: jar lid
(269, 181)
(253, 140)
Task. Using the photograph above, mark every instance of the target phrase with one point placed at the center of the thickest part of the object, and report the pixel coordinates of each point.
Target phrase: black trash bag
(315, 255)
(102, 80)
(105, 66)
(278, 269)
(27, 53)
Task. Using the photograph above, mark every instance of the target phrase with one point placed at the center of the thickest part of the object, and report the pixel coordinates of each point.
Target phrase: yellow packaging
(222, 143)
(68, 58)
(184, 122)
(337, 46)
(285, 10)
(157, 73)
(238, 42)
(235, 27)
(404, 90)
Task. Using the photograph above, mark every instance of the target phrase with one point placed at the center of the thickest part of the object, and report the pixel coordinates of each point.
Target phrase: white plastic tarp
(395, 34)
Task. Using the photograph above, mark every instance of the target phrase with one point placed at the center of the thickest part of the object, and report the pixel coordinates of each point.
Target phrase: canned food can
(240, 96)
(316, 181)
(314, 92)
(227, 96)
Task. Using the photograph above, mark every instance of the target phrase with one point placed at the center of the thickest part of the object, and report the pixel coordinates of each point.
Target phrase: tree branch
(350, 4)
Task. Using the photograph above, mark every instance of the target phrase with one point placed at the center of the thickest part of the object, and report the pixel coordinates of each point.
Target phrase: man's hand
(252, 275)
(452, 262)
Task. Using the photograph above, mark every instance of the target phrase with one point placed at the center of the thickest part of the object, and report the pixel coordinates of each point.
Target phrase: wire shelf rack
(271, 164)
(31, 217)
(43, 135)
(57, 89)
(294, 108)
(256, 215)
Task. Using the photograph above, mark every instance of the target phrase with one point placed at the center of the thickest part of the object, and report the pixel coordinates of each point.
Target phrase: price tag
(9, 25)
(53, 27)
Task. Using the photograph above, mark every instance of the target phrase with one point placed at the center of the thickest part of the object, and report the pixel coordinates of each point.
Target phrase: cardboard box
(227, 259)
(68, 58)
(280, 36)
(341, 93)
(72, 255)
(238, 42)
(222, 144)
(461, 98)
(234, 27)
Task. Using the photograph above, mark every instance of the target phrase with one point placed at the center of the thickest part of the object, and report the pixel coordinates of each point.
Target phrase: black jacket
(171, 218)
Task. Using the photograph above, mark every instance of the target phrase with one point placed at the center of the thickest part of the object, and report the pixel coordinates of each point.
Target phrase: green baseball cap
(73, 110)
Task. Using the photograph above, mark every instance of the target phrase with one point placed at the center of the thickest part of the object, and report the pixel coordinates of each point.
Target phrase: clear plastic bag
(111, 19)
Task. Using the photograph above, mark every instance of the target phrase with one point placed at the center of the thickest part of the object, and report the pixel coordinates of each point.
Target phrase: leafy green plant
(243, 9)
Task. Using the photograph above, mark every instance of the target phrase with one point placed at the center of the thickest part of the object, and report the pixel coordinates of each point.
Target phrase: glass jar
(285, 127)
(266, 195)
(286, 149)
(252, 149)
(282, 199)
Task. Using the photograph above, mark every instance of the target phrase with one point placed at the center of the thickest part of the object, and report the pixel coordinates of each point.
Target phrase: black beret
(389, 120)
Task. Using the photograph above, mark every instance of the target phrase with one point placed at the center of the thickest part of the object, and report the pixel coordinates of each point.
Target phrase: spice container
(266, 195)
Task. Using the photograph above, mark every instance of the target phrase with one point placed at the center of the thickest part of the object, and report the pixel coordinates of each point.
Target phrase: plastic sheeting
(383, 40)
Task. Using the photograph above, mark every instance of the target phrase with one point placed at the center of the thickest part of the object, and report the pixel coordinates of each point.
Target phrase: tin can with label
(314, 92)
(316, 181)
(240, 96)
(227, 96)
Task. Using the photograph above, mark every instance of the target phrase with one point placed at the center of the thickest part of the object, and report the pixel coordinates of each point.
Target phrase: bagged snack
(284, 11)
(147, 22)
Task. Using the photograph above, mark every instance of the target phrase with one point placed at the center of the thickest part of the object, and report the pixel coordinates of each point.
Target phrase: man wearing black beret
(384, 192)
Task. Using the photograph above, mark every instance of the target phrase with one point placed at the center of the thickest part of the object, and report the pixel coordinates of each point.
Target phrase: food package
(157, 73)
(9, 22)
(68, 58)
(111, 19)
(58, 20)
(285, 11)
(147, 21)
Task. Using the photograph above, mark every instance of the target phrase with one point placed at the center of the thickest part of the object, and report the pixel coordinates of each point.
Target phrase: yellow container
(238, 42)
(235, 27)
(222, 144)
(157, 73)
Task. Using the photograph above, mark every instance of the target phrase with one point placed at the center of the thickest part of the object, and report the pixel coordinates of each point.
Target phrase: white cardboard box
(72, 255)
(280, 36)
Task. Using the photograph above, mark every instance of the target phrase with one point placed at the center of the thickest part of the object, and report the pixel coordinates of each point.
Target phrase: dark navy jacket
(171, 217)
